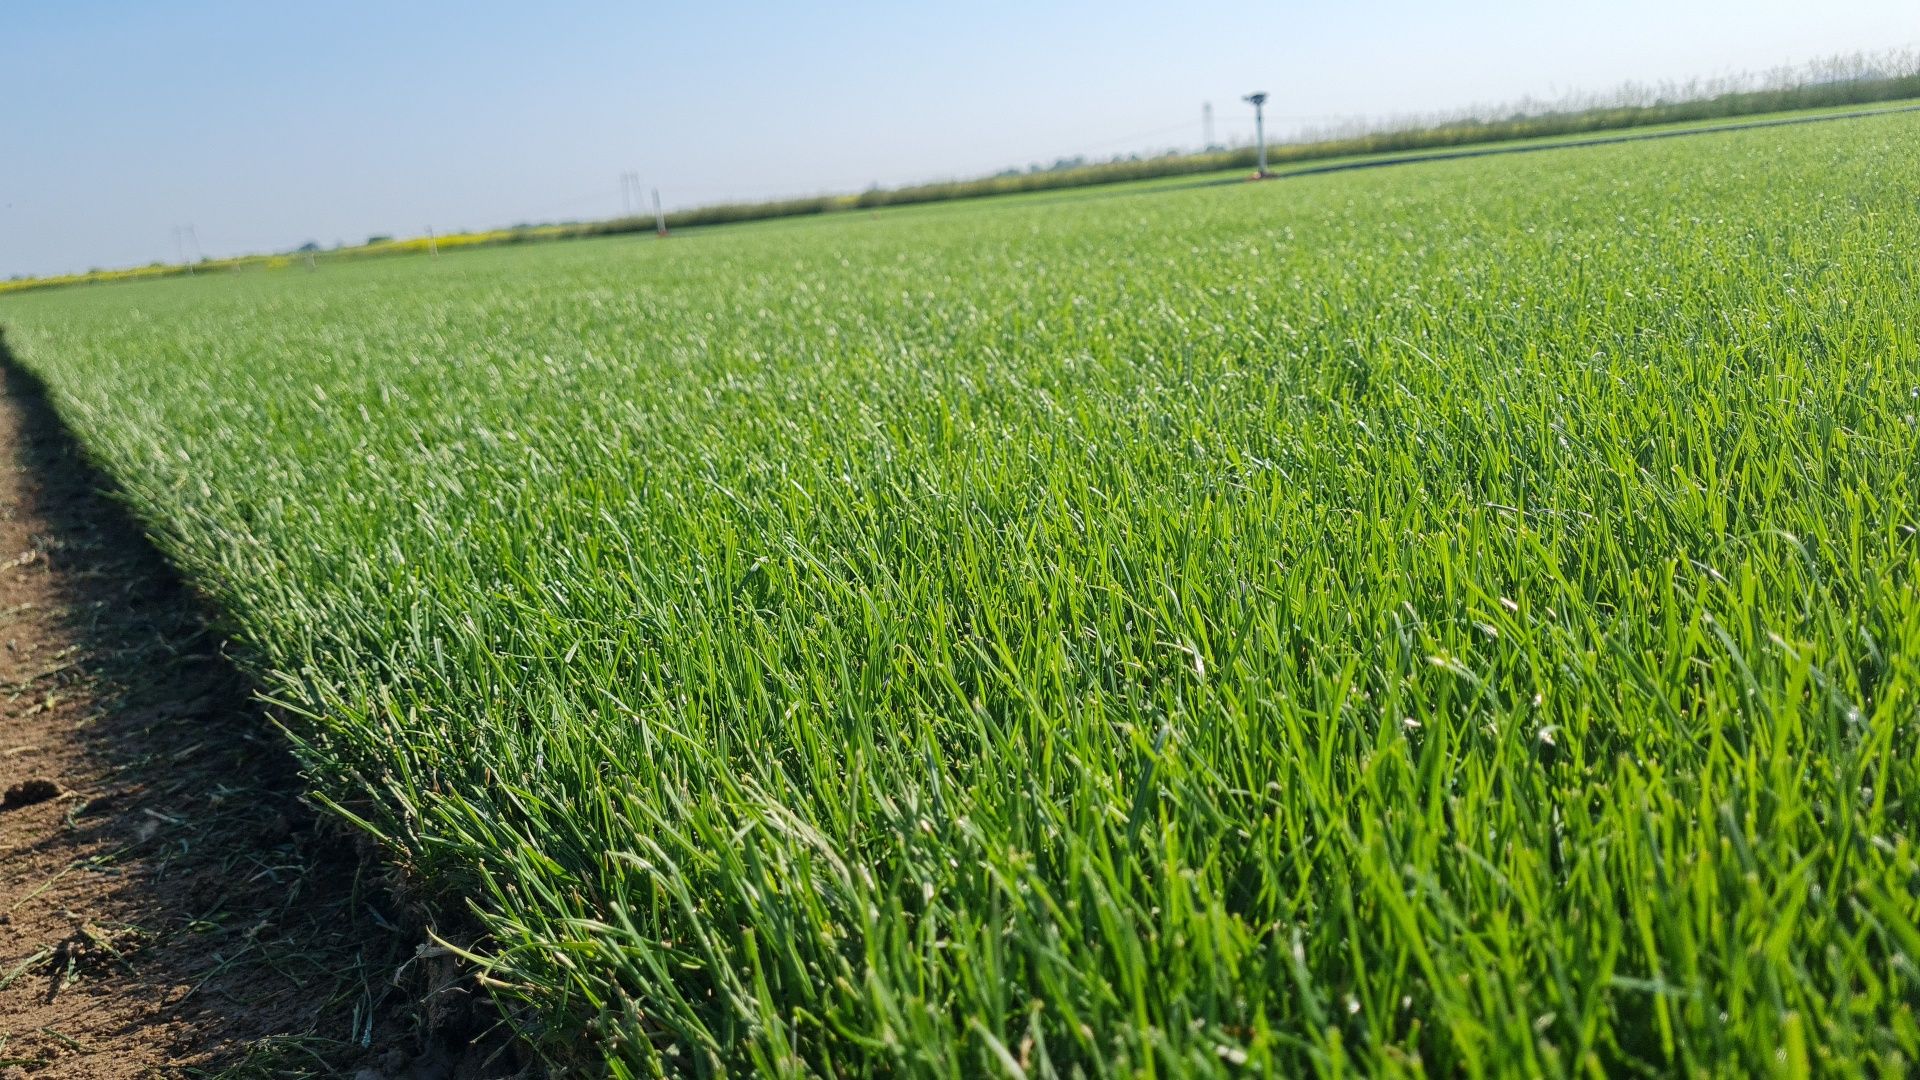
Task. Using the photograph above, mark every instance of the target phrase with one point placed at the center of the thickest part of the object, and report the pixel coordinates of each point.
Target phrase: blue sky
(266, 125)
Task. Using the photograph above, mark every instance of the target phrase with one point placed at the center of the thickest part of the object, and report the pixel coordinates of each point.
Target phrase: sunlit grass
(1459, 619)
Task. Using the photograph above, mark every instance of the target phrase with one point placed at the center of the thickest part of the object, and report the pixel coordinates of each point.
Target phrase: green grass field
(1457, 619)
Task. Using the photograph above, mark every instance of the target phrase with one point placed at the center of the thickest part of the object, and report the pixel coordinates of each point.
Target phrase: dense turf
(1459, 618)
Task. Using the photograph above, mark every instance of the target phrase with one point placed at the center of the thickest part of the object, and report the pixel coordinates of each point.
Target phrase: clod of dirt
(28, 792)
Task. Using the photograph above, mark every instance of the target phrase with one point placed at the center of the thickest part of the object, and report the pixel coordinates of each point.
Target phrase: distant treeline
(1856, 80)
(1837, 82)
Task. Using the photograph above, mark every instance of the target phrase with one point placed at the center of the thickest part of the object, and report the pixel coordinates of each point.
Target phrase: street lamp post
(1259, 128)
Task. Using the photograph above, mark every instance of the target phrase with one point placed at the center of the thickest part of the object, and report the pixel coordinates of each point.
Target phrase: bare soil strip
(168, 905)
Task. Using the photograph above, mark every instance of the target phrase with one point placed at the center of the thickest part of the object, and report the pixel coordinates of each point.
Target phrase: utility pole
(1206, 125)
(433, 244)
(659, 218)
(1259, 129)
(180, 247)
(626, 194)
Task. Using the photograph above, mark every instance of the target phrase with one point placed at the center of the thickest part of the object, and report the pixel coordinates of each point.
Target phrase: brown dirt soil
(168, 904)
